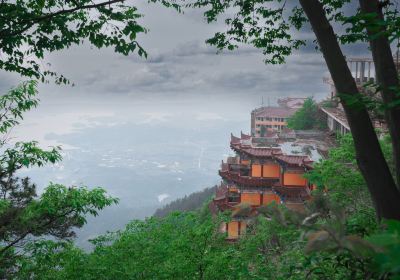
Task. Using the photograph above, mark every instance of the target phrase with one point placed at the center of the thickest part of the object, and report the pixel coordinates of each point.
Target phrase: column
(362, 72)
(369, 71)
(356, 76)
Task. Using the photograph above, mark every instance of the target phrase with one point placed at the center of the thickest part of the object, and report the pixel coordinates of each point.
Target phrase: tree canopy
(33, 28)
(25, 217)
(307, 117)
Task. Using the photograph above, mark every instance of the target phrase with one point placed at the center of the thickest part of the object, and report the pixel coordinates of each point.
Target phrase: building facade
(267, 119)
(256, 177)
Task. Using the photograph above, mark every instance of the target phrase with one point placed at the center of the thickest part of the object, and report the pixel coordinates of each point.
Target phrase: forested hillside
(336, 238)
(190, 202)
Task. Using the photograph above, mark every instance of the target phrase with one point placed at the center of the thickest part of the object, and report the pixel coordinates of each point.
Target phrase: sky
(150, 131)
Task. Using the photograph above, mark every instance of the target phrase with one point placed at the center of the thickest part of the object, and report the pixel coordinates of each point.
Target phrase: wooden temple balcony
(293, 194)
(237, 178)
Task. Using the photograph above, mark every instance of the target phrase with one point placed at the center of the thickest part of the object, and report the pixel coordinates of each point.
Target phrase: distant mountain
(188, 203)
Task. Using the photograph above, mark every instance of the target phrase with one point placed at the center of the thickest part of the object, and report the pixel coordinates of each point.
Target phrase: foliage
(31, 29)
(271, 25)
(12, 105)
(307, 117)
(261, 24)
(25, 217)
(388, 249)
(179, 246)
(337, 237)
(191, 202)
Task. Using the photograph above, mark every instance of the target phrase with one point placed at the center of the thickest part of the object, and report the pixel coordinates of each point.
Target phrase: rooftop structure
(363, 71)
(256, 177)
(292, 102)
(336, 120)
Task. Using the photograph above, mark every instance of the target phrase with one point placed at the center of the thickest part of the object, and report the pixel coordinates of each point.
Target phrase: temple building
(257, 176)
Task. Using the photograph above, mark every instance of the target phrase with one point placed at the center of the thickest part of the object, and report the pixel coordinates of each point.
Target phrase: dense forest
(350, 228)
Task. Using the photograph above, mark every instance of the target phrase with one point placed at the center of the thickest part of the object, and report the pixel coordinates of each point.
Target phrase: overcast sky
(179, 62)
(180, 69)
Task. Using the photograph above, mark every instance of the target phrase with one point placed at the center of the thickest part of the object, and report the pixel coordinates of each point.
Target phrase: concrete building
(336, 120)
(363, 71)
(267, 119)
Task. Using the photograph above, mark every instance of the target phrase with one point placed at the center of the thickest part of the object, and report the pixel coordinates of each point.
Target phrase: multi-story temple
(258, 176)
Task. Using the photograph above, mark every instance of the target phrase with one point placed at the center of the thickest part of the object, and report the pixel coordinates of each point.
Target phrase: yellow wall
(271, 170)
(256, 170)
(270, 197)
(294, 179)
(233, 228)
(250, 198)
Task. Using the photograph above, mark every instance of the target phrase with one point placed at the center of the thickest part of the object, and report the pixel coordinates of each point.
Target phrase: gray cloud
(181, 64)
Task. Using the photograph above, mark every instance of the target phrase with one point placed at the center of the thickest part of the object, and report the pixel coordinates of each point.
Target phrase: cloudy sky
(180, 63)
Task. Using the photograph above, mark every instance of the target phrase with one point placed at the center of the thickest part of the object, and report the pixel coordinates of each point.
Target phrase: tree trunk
(386, 74)
(370, 159)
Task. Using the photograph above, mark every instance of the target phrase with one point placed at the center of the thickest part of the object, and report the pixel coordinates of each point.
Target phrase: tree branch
(32, 21)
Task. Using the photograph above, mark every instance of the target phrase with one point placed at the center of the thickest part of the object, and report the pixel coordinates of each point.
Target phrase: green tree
(25, 217)
(307, 117)
(30, 29)
(270, 25)
(183, 245)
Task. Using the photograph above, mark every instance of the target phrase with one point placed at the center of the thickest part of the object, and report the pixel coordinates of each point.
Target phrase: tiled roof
(293, 159)
(245, 146)
(262, 152)
(244, 136)
(338, 115)
(277, 112)
(234, 140)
